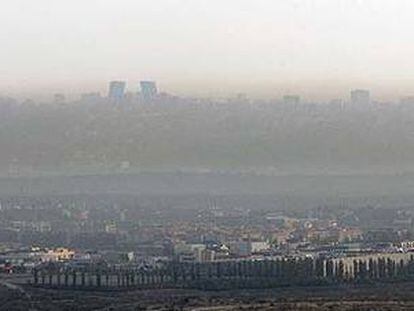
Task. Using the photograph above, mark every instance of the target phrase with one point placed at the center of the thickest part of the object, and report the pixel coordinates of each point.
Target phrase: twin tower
(117, 90)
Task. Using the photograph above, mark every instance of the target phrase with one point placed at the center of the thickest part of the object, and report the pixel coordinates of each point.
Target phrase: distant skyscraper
(116, 90)
(148, 90)
(291, 100)
(360, 97)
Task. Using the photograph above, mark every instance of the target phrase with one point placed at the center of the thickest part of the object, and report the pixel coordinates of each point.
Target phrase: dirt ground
(378, 297)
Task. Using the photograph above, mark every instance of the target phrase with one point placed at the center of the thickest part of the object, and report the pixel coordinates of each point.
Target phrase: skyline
(124, 88)
(265, 91)
(207, 155)
(321, 49)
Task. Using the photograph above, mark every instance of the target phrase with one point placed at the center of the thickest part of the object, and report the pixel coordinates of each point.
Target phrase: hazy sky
(319, 48)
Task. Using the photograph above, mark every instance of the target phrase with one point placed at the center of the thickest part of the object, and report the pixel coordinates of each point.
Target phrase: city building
(116, 90)
(191, 253)
(240, 248)
(360, 97)
(58, 254)
(259, 246)
(148, 90)
(246, 248)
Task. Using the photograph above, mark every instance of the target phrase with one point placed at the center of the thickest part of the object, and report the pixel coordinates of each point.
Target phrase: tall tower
(148, 90)
(116, 90)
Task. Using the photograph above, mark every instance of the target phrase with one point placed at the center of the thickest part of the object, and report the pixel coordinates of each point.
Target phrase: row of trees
(266, 273)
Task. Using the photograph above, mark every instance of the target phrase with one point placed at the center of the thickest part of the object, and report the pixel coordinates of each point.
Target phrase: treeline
(232, 274)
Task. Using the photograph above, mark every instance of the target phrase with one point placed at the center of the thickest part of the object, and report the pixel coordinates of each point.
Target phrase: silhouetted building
(116, 90)
(360, 97)
(148, 90)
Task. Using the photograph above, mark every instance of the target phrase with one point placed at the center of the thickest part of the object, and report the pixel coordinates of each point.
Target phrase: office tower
(360, 97)
(291, 100)
(148, 90)
(116, 90)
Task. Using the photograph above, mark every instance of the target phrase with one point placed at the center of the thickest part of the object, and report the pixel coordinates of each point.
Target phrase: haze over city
(321, 49)
(206, 155)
